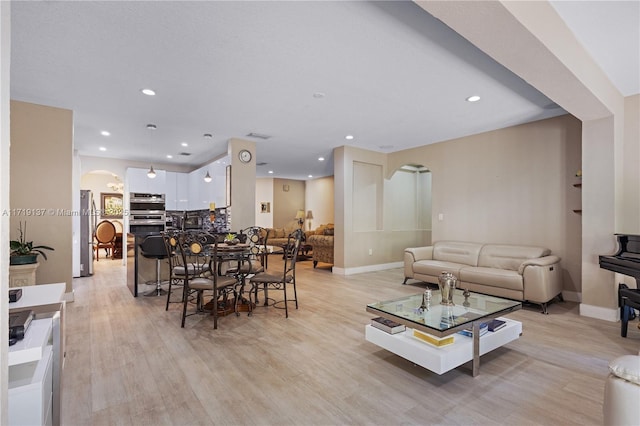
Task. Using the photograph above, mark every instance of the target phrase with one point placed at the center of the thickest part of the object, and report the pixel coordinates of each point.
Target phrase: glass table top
(443, 319)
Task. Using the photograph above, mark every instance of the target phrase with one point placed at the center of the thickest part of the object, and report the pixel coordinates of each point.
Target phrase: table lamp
(309, 217)
(300, 217)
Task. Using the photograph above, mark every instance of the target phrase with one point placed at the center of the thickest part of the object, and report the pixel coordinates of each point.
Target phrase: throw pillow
(328, 231)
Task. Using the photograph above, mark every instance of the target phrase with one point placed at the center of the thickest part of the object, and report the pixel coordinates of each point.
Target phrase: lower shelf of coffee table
(445, 358)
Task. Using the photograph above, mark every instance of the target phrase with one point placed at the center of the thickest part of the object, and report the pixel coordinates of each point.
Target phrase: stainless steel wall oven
(146, 213)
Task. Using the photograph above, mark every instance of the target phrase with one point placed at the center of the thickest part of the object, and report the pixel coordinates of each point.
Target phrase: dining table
(229, 259)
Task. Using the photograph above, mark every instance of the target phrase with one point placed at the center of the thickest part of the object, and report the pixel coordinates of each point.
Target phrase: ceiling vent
(262, 163)
(186, 154)
(258, 135)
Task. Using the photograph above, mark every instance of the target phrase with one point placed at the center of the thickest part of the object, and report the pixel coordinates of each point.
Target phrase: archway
(101, 196)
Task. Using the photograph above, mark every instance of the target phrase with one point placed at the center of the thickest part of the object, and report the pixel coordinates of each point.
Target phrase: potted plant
(231, 239)
(24, 252)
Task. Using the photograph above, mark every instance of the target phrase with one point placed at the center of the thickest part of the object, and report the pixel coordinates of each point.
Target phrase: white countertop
(37, 295)
(32, 346)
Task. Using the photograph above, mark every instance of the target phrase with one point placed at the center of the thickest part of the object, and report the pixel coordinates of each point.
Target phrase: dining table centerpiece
(230, 239)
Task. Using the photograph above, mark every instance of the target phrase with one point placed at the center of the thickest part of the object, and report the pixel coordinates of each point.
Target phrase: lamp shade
(300, 214)
(309, 214)
(207, 177)
(151, 174)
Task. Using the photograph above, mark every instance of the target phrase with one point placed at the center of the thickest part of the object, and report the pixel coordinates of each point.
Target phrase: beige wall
(286, 203)
(264, 194)
(543, 51)
(630, 220)
(512, 185)
(357, 249)
(243, 184)
(41, 178)
(319, 199)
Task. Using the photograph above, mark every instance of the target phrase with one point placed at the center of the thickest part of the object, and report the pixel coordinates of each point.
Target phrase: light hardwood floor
(129, 362)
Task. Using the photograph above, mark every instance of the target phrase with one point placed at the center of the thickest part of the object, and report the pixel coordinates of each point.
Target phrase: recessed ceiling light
(208, 135)
(169, 156)
(151, 126)
(349, 137)
(320, 158)
(184, 144)
(148, 92)
(474, 98)
(270, 172)
(310, 176)
(102, 148)
(104, 133)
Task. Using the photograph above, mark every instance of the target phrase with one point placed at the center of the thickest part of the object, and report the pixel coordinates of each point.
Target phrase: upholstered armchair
(321, 241)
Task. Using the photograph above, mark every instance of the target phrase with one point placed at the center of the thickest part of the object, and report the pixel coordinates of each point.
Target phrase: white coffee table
(440, 321)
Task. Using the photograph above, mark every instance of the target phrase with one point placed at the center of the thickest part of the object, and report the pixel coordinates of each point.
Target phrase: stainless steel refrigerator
(87, 227)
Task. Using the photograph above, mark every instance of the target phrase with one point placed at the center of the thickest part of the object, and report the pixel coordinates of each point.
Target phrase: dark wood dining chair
(281, 281)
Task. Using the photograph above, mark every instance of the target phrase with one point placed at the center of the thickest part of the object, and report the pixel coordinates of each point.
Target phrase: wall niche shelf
(578, 185)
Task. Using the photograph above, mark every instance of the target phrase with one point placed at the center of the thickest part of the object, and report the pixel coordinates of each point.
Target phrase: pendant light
(151, 174)
(207, 177)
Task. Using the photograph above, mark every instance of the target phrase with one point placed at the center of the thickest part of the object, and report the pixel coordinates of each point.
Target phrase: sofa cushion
(492, 277)
(279, 233)
(436, 267)
(457, 252)
(504, 256)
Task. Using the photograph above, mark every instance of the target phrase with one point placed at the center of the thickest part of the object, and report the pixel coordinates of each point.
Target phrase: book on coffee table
(496, 324)
(484, 327)
(433, 340)
(387, 325)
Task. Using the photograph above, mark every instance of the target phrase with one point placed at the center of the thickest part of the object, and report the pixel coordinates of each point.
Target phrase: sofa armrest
(419, 253)
(539, 261)
(542, 279)
(413, 254)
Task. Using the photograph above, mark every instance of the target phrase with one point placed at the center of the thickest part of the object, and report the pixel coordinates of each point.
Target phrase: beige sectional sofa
(517, 272)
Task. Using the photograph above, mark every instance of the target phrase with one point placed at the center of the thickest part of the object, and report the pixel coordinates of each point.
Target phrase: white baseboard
(599, 312)
(572, 296)
(367, 268)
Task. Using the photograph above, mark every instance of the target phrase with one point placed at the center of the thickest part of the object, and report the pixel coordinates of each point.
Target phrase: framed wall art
(111, 205)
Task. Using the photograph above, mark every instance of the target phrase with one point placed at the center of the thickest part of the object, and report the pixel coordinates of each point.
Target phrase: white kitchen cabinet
(171, 191)
(182, 191)
(139, 181)
(199, 190)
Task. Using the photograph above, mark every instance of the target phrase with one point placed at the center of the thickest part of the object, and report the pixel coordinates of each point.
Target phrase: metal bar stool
(152, 247)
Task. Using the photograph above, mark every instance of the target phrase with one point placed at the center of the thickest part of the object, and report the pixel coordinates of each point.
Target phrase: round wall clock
(244, 156)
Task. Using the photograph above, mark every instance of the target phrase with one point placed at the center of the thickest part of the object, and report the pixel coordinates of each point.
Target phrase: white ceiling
(391, 75)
